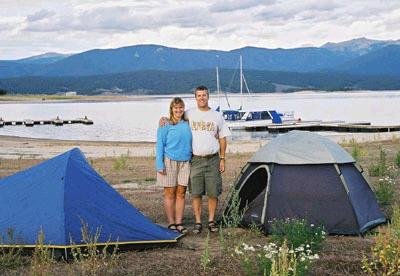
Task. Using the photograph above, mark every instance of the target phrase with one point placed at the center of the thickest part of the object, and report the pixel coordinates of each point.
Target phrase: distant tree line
(3, 91)
(170, 82)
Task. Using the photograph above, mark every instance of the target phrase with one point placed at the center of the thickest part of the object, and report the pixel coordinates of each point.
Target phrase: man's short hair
(201, 88)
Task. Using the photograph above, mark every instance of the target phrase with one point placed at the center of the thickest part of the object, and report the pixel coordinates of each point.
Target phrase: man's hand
(222, 165)
(163, 172)
(163, 122)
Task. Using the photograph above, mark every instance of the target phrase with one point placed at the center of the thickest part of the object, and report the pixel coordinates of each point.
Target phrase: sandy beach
(31, 148)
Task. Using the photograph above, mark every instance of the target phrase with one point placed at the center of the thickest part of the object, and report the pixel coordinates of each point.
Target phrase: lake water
(137, 120)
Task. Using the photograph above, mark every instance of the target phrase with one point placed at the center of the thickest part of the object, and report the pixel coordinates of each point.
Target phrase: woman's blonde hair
(175, 101)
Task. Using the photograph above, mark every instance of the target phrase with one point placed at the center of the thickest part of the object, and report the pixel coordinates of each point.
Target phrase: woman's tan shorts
(178, 173)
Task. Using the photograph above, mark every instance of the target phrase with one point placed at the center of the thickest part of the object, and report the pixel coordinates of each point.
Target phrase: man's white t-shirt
(205, 126)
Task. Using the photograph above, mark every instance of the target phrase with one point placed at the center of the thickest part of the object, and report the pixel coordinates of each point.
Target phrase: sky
(32, 27)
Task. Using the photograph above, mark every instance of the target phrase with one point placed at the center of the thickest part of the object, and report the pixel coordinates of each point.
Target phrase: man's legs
(212, 207)
(196, 204)
(197, 190)
(213, 185)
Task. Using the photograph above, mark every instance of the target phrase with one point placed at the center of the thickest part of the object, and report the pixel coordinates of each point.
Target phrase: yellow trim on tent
(85, 245)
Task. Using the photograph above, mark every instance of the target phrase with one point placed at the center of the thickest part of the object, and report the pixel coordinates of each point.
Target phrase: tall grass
(379, 168)
(120, 162)
(385, 253)
(385, 191)
(234, 216)
(274, 259)
(397, 159)
(356, 151)
(90, 259)
(298, 232)
(43, 258)
(205, 259)
(10, 257)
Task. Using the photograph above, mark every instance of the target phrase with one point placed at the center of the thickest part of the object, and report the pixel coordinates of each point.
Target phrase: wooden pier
(364, 127)
(57, 122)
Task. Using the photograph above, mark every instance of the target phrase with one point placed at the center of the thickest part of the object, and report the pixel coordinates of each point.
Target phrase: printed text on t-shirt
(201, 125)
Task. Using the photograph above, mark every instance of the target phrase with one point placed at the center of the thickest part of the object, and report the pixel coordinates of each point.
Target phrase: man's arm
(222, 150)
(160, 145)
(163, 122)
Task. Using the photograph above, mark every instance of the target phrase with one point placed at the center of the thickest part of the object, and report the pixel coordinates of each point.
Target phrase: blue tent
(60, 194)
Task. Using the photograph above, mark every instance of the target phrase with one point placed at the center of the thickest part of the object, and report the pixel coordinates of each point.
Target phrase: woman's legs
(169, 203)
(179, 203)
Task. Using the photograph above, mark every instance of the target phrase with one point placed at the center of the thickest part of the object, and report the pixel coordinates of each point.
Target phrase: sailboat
(243, 118)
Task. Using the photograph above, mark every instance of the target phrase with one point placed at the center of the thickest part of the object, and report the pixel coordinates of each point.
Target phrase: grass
(120, 162)
(297, 233)
(379, 168)
(385, 253)
(11, 257)
(205, 256)
(234, 216)
(385, 192)
(338, 255)
(397, 159)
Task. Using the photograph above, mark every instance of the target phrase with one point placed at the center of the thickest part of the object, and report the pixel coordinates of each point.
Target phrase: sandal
(212, 227)
(197, 228)
(172, 227)
(181, 229)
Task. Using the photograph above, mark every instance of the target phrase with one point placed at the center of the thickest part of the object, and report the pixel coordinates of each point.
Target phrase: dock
(338, 126)
(57, 122)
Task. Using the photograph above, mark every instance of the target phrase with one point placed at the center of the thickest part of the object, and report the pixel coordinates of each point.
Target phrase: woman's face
(177, 111)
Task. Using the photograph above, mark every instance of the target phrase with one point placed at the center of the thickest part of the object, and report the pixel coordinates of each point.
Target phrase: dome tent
(58, 195)
(305, 175)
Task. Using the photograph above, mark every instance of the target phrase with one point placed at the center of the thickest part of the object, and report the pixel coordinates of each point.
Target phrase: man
(208, 161)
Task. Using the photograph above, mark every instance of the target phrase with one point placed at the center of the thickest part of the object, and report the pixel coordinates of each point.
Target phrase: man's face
(202, 98)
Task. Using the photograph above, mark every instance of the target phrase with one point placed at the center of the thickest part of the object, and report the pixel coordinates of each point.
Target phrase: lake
(137, 120)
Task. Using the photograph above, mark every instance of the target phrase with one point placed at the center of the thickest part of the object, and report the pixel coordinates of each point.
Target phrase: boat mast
(218, 91)
(241, 83)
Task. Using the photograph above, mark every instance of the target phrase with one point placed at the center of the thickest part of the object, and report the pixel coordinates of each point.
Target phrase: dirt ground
(134, 177)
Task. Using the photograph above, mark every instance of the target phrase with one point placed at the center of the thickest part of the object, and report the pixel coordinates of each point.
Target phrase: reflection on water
(138, 120)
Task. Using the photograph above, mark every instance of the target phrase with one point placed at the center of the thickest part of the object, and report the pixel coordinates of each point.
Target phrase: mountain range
(356, 59)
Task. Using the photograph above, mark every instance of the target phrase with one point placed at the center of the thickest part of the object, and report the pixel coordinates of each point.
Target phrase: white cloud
(233, 5)
(33, 27)
(39, 15)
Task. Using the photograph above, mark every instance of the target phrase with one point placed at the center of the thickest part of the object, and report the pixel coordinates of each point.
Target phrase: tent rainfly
(307, 176)
(60, 194)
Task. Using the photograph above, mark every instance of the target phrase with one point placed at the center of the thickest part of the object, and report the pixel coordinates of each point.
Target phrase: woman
(173, 154)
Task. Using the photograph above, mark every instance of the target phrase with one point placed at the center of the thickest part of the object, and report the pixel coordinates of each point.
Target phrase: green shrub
(385, 191)
(42, 258)
(120, 162)
(90, 259)
(356, 151)
(272, 259)
(385, 253)
(10, 257)
(234, 216)
(380, 168)
(205, 256)
(298, 233)
(397, 159)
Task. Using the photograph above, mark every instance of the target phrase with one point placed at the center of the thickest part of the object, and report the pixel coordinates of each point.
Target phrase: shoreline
(53, 98)
(14, 147)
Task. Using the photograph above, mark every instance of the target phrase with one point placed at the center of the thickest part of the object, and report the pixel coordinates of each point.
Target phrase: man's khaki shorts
(205, 177)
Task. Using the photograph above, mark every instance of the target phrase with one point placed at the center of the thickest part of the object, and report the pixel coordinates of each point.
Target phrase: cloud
(39, 15)
(75, 25)
(232, 5)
